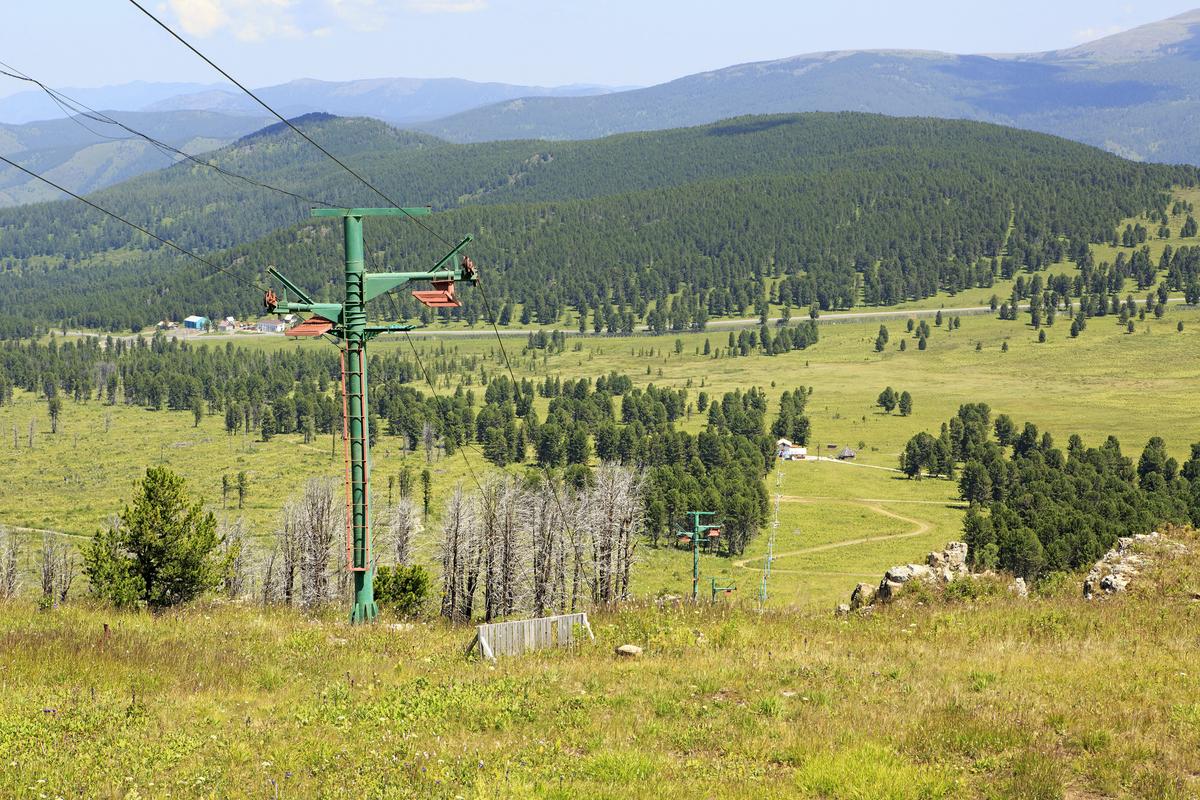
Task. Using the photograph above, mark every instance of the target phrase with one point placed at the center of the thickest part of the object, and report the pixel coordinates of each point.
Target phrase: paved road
(832, 318)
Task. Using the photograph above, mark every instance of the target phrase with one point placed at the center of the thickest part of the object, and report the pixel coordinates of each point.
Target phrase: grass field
(996, 697)
(1106, 381)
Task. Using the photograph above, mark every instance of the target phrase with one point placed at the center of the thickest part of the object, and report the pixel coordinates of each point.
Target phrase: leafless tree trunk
(10, 552)
(400, 525)
(233, 544)
(49, 567)
(428, 439)
(504, 547)
(541, 549)
(316, 519)
(459, 562)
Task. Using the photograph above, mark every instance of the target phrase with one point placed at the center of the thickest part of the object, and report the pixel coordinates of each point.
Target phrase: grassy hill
(85, 155)
(1132, 93)
(626, 220)
(932, 697)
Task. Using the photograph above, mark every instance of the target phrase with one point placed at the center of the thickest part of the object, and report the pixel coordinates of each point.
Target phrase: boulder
(936, 560)
(888, 590)
(842, 609)
(903, 573)
(863, 595)
(629, 651)
(956, 556)
(1019, 588)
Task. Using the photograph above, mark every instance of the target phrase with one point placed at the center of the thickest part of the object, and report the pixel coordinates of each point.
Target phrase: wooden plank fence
(519, 636)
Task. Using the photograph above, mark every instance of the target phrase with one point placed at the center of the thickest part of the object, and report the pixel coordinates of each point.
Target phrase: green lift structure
(700, 534)
(346, 324)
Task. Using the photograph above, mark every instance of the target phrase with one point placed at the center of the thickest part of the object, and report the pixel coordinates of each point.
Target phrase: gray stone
(629, 651)
(901, 573)
(956, 555)
(936, 559)
(842, 609)
(888, 590)
(1019, 588)
(863, 595)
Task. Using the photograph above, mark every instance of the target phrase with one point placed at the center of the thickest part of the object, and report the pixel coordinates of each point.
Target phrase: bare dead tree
(280, 567)
(317, 522)
(458, 535)
(504, 547)
(49, 568)
(428, 439)
(233, 546)
(10, 556)
(541, 548)
(68, 568)
(549, 551)
(400, 526)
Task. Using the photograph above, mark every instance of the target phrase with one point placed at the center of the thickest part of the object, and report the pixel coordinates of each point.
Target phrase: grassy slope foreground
(932, 697)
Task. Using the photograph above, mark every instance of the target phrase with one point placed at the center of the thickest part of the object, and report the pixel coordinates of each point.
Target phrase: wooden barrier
(520, 636)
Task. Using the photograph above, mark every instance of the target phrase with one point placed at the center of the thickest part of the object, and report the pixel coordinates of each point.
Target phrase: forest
(1035, 509)
(296, 391)
(673, 227)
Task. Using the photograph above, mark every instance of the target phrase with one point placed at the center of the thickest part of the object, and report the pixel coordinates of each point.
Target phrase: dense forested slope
(832, 201)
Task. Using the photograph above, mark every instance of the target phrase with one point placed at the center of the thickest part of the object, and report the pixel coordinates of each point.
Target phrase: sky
(86, 43)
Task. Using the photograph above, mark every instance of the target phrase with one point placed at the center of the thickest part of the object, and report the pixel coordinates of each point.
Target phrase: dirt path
(21, 529)
(922, 527)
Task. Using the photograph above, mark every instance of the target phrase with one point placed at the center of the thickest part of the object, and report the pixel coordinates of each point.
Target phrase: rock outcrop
(942, 565)
(1116, 570)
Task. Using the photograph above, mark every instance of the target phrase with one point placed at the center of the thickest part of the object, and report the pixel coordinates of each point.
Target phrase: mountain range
(840, 207)
(1136, 94)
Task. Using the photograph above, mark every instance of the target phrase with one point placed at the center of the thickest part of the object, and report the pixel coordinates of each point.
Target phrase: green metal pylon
(698, 534)
(347, 323)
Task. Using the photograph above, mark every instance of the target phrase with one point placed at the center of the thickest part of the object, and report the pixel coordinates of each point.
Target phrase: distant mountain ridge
(1136, 93)
(394, 100)
(69, 151)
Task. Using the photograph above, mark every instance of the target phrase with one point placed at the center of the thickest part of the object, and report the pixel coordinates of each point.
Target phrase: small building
(787, 451)
(272, 326)
(847, 454)
(195, 322)
(227, 325)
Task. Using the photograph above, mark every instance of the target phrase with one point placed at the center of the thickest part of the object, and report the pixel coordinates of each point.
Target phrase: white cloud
(1096, 32)
(445, 6)
(200, 17)
(257, 20)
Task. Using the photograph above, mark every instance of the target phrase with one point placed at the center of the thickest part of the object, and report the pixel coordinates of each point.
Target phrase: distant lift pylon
(346, 322)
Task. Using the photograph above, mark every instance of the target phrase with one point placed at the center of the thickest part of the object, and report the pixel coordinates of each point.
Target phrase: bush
(162, 551)
(403, 589)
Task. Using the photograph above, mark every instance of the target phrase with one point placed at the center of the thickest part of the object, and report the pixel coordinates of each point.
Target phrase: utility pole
(766, 575)
(347, 324)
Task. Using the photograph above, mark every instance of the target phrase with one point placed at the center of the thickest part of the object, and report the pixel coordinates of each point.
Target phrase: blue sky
(547, 42)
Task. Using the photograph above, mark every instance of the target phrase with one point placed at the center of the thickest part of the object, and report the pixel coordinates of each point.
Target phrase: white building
(272, 326)
(790, 452)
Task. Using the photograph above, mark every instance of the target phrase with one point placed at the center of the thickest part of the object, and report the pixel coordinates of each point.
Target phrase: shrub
(403, 589)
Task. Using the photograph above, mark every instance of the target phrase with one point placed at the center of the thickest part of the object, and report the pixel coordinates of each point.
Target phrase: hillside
(816, 199)
(84, 155)
(1133, 94)
(977, 694)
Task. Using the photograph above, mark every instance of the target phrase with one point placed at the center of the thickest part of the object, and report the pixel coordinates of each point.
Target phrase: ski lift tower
(705, 533)
(346, 324)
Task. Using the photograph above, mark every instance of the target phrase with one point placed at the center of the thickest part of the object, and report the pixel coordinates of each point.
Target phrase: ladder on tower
(347, 398)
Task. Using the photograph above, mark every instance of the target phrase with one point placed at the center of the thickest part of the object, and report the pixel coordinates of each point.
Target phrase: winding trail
(922, 527)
